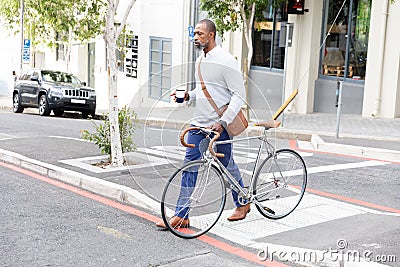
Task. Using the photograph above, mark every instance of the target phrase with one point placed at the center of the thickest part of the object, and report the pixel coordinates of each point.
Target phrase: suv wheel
(58, 112)
(43, 106)
(17, 108)
(85, 114)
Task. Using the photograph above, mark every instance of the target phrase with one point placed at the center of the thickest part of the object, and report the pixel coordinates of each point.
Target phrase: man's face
(202, 36)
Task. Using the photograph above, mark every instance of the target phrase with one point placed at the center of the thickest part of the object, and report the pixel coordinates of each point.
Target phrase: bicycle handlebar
(210, 145)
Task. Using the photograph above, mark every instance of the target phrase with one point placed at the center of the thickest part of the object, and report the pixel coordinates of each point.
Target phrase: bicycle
(276, 187)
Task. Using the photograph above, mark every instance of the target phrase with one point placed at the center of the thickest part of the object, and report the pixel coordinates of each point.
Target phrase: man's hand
(217, 127)
(173, 94)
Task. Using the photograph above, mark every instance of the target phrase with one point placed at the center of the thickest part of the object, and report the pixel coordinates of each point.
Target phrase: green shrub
(128, 121)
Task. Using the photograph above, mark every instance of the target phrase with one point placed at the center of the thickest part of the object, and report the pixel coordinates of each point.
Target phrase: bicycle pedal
(269, 210)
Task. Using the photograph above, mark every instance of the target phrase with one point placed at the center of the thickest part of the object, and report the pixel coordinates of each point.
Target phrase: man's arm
(191, 94)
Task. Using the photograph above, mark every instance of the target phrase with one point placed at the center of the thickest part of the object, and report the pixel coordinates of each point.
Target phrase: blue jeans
(189, 177)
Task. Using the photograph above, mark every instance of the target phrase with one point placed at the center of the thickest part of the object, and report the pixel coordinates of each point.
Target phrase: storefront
(331, 41)
(344, 50)
(267, 67)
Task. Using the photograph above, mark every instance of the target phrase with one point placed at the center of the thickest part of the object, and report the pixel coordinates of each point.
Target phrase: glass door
(346, 25)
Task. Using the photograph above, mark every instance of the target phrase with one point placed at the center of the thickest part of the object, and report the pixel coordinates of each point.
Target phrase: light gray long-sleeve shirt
(224, 82)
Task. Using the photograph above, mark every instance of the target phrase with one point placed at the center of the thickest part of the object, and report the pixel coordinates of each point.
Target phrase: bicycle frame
(234, 185)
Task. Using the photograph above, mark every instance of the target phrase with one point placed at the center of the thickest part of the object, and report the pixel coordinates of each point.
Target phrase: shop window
(345, 51)
(267, 52)
(160, 68)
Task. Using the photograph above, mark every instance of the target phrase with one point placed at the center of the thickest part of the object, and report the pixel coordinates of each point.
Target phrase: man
(223, 80)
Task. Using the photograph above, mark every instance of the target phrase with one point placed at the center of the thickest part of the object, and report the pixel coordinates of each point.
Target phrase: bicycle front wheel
(195, 192)
(279, 184)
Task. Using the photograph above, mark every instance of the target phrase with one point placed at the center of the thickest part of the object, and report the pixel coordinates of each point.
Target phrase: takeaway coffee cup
(180, 95)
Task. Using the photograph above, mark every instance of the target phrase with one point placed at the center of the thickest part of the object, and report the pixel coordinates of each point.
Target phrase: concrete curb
(359, 151)
(95, 185)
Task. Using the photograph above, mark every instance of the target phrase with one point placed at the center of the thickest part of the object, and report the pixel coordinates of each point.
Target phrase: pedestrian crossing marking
(312, 210)
(244, 158)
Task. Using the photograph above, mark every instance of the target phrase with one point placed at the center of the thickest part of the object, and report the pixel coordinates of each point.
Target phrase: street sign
(27, 43)
(191, 32)
(26, 51)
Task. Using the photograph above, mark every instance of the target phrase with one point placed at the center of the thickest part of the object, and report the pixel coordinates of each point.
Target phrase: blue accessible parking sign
(26, 52)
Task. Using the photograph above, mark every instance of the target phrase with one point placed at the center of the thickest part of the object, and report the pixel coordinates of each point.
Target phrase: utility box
(283, 34)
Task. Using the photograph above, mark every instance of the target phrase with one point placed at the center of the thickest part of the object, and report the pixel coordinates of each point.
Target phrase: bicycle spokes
(279, 184)
(196, 191)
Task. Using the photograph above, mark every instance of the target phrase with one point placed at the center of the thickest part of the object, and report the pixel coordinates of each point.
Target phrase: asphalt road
(348, 180)
(44, 225)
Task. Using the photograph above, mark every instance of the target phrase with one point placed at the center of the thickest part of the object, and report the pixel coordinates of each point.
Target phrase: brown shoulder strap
(205, 91)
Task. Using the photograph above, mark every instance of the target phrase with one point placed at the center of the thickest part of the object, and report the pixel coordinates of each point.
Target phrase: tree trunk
(111, 38)
(68, 49)
(247, 32)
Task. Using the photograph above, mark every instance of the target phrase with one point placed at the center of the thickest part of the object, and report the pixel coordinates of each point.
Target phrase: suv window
(27, 75)
(35, 74)
(56, 76)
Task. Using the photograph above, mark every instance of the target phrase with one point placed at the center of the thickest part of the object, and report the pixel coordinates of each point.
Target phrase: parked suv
(53, 91)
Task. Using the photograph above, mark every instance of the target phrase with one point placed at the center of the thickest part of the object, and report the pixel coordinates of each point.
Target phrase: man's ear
(212, 35)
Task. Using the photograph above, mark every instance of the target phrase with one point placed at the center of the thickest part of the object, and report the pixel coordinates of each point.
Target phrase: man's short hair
(210, 26)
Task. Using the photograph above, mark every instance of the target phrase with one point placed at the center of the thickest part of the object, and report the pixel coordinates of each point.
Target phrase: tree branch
(123, 22)
(247, 24)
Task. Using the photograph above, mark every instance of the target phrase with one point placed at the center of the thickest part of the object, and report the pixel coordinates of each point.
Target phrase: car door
(33, 87)
(23, 87)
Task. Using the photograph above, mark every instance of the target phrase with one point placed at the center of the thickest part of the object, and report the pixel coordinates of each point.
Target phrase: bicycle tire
(206, 201)
(279, 184)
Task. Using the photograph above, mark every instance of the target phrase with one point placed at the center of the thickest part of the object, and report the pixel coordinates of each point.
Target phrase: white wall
(159, 18)
(164, 19)
(391, 86)
(385, 53)
(9, 60)
(303, 57)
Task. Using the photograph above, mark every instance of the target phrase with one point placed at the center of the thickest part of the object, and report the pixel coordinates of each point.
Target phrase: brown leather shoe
(175, 222)
(240, 213)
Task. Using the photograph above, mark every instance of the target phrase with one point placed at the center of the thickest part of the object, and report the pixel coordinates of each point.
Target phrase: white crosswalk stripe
(246, 157)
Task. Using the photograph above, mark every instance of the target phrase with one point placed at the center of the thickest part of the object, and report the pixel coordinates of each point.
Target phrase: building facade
(352, 40)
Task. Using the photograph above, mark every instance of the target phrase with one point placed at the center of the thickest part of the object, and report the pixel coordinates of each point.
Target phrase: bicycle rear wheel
(197, 189)
(279, 184)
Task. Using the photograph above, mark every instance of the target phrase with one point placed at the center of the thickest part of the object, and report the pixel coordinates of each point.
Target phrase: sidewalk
(375, 138)
(351, 126)
(355, 132)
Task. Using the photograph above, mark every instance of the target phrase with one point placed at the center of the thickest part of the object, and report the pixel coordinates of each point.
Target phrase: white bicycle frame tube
(231, 179)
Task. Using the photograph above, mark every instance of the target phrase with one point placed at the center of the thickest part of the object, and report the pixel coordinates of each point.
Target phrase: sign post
(22, 34)
(339, 90)
(286, 34)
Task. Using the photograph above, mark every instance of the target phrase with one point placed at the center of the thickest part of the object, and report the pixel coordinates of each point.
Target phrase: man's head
(204, 35)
